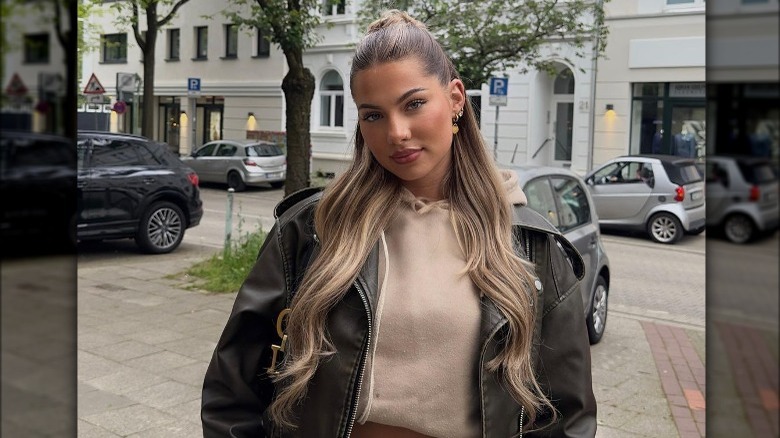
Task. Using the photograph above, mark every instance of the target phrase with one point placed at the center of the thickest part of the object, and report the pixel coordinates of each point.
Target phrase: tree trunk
(298, 87)
(148, 48)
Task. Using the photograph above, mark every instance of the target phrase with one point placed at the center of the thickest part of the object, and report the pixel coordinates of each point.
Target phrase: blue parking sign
(498, 86)
(193, 84)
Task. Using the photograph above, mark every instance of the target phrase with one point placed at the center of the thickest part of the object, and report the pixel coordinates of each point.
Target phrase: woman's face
(405, 116)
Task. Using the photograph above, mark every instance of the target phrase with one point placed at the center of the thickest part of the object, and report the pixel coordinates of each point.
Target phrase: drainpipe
(593, 74)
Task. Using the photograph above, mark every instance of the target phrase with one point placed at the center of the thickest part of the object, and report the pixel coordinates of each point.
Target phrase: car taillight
(755, 193)
(193, 177)
(679, 194)
(249, 162)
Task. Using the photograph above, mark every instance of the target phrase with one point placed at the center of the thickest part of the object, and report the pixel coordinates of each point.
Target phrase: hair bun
(394, 17)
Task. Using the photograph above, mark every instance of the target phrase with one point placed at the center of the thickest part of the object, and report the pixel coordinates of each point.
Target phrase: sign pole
(193, 127)
(495, 137)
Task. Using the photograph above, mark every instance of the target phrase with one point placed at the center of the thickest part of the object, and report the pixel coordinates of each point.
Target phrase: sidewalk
(144, 344)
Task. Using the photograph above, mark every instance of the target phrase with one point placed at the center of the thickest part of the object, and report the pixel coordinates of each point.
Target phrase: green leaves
(489, 37)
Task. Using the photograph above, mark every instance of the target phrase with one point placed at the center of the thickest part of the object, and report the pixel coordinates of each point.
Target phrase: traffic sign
(127, 82)
(193, 86)
(94, 86)
(120, 107)
(15, 86)
(498, 88)
(95, 99)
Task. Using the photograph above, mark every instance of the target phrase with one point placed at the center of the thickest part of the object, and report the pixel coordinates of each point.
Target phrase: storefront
(669, 118)
(168, 124)
(745, 119)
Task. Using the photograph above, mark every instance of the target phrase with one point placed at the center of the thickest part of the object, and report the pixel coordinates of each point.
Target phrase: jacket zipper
(522, 420)
(353, 412)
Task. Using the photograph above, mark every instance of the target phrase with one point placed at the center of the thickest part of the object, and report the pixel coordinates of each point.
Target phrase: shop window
(173, 44)
(36, 48)
(201, 42)
(231, 41)
(114, 47)
(332, 100)
(263, 46)
(669, 119)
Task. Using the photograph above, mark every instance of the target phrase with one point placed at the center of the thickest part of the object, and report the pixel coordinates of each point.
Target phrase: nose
(397, 130)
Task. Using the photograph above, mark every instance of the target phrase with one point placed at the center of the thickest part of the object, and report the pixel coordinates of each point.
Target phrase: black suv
(38, 193)
(132, 187)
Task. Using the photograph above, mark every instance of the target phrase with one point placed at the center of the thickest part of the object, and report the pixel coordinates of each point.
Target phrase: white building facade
(33, 70)
(652, 78)
(239, 72)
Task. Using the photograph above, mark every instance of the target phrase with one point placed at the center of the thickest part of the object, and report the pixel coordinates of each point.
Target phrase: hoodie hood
(510, 183)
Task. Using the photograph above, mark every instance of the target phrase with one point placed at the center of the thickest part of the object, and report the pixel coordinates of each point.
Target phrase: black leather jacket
(237, 390)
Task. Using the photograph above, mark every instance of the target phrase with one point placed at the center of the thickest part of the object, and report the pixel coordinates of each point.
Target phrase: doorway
(562, 125)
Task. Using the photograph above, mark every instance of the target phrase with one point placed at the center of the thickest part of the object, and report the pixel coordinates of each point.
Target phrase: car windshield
(760, 173)
(263, 150)
(682, 174)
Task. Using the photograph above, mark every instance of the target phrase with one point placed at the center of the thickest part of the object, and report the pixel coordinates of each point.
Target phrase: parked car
(239, 164)
(742, 196)
(38, 191)
(132, 187)
(560, 196)
(662, 195)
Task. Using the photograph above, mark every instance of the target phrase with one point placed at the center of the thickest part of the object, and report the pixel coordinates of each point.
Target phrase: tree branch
(171, 14)
(134, 21)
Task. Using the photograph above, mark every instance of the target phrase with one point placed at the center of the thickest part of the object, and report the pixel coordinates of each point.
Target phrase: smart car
(662, 195)
(742, 196)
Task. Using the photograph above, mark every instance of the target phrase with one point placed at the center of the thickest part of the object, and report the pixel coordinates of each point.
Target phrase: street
(144, 341)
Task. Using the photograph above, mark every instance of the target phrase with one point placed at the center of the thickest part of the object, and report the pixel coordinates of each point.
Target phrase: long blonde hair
(359, 204)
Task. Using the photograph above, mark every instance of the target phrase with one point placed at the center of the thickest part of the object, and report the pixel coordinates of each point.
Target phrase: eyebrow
(399, 100)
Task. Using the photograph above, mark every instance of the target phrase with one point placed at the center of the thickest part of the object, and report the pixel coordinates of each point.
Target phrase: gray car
(742, 196)
(239, 163)
(660, 194)
(560, 196)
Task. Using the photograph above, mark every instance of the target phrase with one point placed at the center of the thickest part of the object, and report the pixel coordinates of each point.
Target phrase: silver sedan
(239, 164)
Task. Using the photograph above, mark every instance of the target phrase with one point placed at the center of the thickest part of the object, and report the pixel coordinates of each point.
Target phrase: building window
(36, 48)
(685, 4)
(231, 41)
(201, 42)
(332, 100)
(333, 7)
(669, 118)
(173, 44)
(114, 47)
(263, 49)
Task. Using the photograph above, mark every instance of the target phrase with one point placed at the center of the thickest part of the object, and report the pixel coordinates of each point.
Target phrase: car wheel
(277, 184)
(739, 228)
(235, 181)
(665, 228)
(161, 229)
(597, 314)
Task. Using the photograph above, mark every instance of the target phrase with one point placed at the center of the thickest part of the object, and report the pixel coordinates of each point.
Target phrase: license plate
(274, 175)
(695, 196)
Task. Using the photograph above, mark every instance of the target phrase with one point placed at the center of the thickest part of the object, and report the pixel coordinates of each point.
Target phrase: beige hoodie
(420, 374)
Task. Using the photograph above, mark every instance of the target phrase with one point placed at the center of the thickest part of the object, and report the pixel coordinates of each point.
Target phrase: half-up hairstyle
(359, 204)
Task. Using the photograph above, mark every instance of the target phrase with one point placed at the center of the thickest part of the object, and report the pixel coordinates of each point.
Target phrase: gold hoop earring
(455, 127)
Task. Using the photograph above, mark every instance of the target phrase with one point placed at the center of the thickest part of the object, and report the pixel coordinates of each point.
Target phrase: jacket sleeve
(236, 388)
(564, 366)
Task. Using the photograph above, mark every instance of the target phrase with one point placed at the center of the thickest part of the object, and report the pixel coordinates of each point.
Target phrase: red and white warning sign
(94, 86)
(15, 86)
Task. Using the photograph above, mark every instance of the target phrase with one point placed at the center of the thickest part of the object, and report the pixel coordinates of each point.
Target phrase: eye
(370, 117)
(415, 104)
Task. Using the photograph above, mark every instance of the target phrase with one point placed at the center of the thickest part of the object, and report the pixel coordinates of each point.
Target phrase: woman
(424, 300)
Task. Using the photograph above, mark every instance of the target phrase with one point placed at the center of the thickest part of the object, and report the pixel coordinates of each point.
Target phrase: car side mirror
(589, 181)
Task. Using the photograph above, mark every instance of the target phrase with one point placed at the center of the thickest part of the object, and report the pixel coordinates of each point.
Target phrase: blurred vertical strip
(743, 152)
(38, 95)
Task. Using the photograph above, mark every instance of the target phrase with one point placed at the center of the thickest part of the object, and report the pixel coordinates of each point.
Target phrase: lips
(405, 156)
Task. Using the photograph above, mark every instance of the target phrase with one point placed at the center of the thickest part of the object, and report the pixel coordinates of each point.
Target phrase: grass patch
(226, 271)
